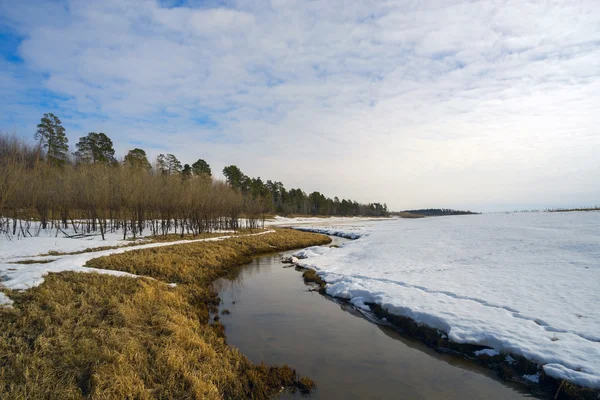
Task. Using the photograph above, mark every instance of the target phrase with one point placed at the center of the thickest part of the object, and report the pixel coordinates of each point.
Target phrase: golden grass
(151, 239)
(92, 336)
(205, 261)
(410, 215)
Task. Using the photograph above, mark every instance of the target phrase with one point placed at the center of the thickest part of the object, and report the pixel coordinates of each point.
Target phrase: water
(276, 320)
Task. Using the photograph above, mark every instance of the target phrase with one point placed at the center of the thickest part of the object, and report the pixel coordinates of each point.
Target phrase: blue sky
(487, 105)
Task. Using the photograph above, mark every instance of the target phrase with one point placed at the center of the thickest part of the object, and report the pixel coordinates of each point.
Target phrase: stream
(275, 319)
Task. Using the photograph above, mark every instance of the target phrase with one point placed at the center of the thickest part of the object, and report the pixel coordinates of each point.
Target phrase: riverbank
(434, 280)
(270, 316)
(508, 367)
(93, 335)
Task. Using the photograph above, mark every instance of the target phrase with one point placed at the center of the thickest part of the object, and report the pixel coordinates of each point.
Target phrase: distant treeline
(592, 208)
(91, 190)
(431, 212)
(295, 201)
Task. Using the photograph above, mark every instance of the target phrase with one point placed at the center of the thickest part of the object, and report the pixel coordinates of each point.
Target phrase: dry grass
(410, 215)
(103, 337)
(205, 261)
(151, 239)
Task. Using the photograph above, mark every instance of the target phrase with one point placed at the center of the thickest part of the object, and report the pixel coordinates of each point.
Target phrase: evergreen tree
(95, 148)
(186, 172)
(52, 137)
(201, 167)
(162, 165)
(168, 165)
(136, 158)
(234, 176)
(173, 164)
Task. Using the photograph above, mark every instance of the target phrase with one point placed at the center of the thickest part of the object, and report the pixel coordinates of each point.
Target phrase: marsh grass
(25, 262)
(311, 276)
(98, 336)
(204, 262)
(153, 239)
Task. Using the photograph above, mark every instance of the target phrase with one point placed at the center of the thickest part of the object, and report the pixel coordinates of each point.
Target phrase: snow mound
(313, 251)
(333, 232)
(526, 284)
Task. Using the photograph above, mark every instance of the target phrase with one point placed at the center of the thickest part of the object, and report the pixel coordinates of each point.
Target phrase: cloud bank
(470, 104)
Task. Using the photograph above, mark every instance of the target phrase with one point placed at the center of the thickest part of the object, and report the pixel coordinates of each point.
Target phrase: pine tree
(52, 137)
(136, 158)
(201, 167)
(168, 165)
(235, 177)
(161, 164)
(95, 148)
(186, 172)
(174, 165)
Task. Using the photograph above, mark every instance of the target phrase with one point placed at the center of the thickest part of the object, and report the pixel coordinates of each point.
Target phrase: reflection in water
(276, 320)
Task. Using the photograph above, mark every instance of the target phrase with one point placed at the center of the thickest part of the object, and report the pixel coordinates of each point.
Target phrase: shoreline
(153, 335)
(507, 366)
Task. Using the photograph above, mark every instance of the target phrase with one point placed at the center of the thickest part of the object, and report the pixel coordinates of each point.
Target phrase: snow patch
(25, 276)
(535, 378)
(4, 300)
(487, 352)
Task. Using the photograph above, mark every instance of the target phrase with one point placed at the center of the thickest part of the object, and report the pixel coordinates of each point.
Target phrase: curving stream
(276, 320)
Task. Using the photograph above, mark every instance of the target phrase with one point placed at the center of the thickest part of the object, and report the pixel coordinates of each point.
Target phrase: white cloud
(449, 103)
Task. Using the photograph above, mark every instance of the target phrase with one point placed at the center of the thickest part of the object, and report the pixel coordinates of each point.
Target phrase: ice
(333, 231)
(285, 221)
(487, 352)
(535, 378)
(311, 252)
(522, 283)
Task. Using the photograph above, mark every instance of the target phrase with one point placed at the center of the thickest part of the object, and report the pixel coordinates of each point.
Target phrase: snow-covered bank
(297, 221)
(526, 284)
(345, 232)
(24, 276)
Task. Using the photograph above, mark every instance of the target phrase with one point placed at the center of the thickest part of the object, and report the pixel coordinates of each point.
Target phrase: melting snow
(523, 283)
(487, 352)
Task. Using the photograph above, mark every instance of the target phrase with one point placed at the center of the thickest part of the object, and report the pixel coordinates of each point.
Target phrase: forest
(45, 186)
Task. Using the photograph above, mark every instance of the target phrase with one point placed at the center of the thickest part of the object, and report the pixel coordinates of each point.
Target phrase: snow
(311, 252)
(535, 378)
(487, 352)
(333, 231)
(24, 276)
(524, 283)
(4, 300)
(285, 221)
(48, 241)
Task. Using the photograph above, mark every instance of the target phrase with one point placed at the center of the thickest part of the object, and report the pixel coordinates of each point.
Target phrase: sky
(484, 105)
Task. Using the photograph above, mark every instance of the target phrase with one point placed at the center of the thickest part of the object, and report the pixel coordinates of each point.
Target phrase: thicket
(90, 190)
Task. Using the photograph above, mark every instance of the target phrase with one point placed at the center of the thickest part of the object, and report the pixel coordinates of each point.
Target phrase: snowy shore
(526, 284)
(23, 276)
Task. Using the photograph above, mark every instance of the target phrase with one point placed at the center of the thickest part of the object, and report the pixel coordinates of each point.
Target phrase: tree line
(90, 190)
(295, 201)
(434, 212)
